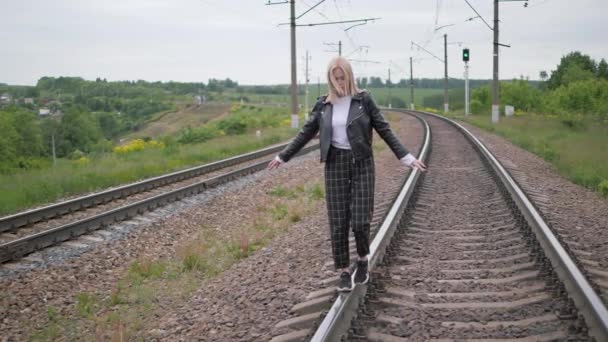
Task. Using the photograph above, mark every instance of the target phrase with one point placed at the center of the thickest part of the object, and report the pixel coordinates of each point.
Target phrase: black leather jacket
(363, 115)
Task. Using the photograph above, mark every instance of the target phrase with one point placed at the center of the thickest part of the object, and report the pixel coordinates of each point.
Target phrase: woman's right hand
(410, 161)
(275, 163)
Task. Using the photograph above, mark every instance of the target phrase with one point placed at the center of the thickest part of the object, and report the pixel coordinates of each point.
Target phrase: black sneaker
(361, 273)
(345, 284)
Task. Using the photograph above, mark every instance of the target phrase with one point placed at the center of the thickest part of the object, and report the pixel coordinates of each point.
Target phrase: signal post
(465, 58)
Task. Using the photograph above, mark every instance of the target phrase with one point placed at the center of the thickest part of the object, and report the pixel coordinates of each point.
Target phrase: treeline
(577, 90)
(370, 82)
(117, 107)
(26, 142)
(85, 116)
(101, 87)
(426, 83)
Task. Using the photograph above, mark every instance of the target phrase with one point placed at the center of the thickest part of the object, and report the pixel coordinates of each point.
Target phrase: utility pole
(411, 84)
(444, 61)
(53, 143)
(306, 90)
(318, 87)
(294, 79)
(292, 24)
(495, 101)
(496, 43)
(445, 81)
(339, 47)
(388, 84)
(466, 88)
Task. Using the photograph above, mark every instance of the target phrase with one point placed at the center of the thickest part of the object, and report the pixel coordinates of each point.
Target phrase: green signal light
(465, 55)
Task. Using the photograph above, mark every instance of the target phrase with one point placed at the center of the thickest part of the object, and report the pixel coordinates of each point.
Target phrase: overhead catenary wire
(473, 8)
(354, 44)
(292, 23)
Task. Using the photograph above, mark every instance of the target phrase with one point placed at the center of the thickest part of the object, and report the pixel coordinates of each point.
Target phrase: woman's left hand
(410, 161)
(418, 164)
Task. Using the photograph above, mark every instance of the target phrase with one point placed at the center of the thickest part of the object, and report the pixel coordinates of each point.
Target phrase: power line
(333, 22)
(339, 44)
(328, 19)
(427, 51)
(437, 9)
(345, 30)
(473, 8)
(432, 32)
(293, 25)
(310, 9)
(358, 49)
(350, 27)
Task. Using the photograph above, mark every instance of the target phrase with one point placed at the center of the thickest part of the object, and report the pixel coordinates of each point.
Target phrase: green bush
(76, 154)
(233, 126)
(397, 102)
(573, 121)
(477, 107)
(603, 187)
(520, 94)
(588, 97)
(33, 163)
(517, 93)
(197, 135)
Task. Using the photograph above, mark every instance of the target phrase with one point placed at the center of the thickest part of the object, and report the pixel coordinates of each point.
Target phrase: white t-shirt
(339, 139)
(339, 119)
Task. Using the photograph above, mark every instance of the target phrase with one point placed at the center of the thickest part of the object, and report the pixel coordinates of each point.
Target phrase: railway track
(27, 232)
(463, 257)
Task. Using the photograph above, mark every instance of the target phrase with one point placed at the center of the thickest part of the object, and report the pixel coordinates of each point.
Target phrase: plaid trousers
(349, 194)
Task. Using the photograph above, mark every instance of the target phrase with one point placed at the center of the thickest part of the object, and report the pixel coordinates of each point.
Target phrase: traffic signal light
(465, 55)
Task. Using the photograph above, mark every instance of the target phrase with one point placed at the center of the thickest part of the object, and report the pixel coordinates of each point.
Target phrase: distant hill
(170, 122)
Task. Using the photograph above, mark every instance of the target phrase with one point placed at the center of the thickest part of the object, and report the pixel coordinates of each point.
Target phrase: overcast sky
(195, 40)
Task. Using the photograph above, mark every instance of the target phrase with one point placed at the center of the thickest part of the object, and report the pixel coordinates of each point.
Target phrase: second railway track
(33, 230)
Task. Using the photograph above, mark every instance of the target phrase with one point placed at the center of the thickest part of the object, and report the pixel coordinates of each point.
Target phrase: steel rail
(18, 248)
(586, 300)
(338, 318)
(11, 222)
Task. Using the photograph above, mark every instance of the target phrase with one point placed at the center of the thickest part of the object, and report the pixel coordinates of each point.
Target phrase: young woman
(344, 120)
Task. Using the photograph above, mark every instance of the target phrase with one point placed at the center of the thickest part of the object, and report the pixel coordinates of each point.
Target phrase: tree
(109, 124)
(575, 73)
(375, 82)
(9, 138)
(543, 75)
(77, 131)
(602, 69)
(28, 128)
(228, 83)
(362, 82)
(584, 62)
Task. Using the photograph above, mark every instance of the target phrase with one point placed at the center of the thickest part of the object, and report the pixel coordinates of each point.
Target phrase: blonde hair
(334, 91)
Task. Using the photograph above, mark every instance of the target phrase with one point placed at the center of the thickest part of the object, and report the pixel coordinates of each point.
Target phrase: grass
(381, 95)
(170, 122)
(132, 306)
(578, 154)
(68, 178)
